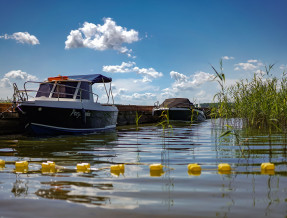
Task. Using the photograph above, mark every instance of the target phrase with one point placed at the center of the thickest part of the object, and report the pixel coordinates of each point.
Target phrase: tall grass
(165, 122)
(7, 100)
(260, 101)
(137, 118)
(223, 104)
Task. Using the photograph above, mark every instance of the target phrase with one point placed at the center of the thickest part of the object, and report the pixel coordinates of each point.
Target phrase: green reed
(223, 106)
(260, 101)
(137, 118)
(165, 122)
(239, 141)
(191, 117)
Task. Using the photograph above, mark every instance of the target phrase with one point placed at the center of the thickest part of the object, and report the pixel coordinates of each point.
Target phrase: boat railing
(156, 104)
(109, 93)
(23, 95)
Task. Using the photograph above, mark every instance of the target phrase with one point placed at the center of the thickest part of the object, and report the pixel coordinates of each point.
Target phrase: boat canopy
(93, 78)
(177, 102)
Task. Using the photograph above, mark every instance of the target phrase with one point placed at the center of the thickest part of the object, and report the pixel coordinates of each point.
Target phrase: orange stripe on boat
(57, 78)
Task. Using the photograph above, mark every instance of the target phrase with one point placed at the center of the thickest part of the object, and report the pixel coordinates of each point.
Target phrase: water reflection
(251, 147)
(73, 148)
(79, 192)
(20, 188)
(244, 189)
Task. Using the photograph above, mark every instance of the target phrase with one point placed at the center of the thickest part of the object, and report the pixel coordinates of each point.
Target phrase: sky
(152, 49)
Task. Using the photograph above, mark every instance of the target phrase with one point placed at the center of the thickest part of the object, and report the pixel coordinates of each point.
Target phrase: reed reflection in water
(245, 190)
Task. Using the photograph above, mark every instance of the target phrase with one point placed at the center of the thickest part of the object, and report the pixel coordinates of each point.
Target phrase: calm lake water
(245, 191)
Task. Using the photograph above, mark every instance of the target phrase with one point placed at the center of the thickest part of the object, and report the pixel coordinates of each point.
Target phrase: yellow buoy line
(155, 169)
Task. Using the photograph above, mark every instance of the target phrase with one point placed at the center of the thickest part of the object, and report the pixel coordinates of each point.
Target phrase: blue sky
(152, 49)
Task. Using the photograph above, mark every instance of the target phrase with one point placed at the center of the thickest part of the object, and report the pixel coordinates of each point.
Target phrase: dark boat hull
(181, 114)
(53, 120)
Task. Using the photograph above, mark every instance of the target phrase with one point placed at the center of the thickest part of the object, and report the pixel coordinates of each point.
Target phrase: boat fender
(83, 113)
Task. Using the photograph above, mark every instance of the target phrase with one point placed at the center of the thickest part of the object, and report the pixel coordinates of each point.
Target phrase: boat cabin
(65, 89)
(77, 87)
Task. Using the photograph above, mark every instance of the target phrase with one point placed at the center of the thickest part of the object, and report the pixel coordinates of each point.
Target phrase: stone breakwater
(128, 114)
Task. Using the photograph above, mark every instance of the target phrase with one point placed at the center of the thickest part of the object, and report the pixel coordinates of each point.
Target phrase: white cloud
(5, 83)
(201, 94)
(252, 61)
(168, 93)
(14, 76)
(22, 37)
(74, 40)
(229, 82)
(183, 84)
(147, 73)
(130, 85)
(139, 96)
(102, 37)
(123, 68)
(188, 83)
(129, 91)
(201, 77)
(227, 58)
(250, 65)
(145, 79)
(245, 66)
(283, 67)
(19, 75)
(122, 91)
(259, 72)
(178, 76)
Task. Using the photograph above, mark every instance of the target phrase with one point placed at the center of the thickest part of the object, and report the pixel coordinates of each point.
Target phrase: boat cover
(93, 78)
(177, 102)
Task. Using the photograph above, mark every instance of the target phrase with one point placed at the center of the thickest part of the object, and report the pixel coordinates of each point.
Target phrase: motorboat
(178, 109)
(66, 105)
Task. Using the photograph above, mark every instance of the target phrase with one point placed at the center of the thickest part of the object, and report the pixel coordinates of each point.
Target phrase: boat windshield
(44, 90)
(84, 91)
(64, 89)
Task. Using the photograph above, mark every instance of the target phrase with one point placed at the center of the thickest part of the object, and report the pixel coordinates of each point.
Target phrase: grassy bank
(260, 101)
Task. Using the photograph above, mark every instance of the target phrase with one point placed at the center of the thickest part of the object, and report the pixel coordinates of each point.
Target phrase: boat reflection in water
(65, 105)
(65, 149)
(62, 190)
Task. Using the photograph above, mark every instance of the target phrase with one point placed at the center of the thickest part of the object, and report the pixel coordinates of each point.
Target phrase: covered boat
(180, 109)
(66, 105)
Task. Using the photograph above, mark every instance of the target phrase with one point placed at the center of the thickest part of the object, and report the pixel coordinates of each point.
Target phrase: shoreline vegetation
(8, 100)
(260, 102)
